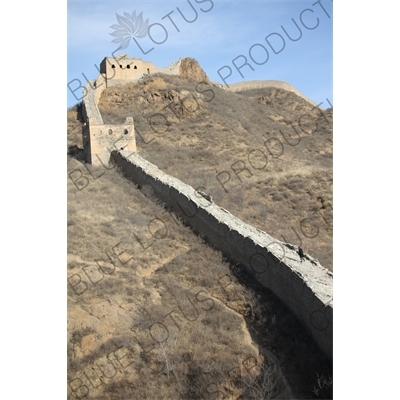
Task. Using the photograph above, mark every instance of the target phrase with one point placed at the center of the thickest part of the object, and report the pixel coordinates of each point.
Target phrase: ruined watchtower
(122, 69)
(101, 139)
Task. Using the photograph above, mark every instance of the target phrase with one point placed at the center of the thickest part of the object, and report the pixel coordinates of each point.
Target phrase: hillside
(263, 154)
(153, 311)
(182, 319)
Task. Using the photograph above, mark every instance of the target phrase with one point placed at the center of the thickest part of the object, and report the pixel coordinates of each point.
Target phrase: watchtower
(122, 69)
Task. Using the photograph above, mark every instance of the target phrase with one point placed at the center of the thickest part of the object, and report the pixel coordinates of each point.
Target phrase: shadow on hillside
(284, 340)
(76, 152)
(77, 108)
(290, 353)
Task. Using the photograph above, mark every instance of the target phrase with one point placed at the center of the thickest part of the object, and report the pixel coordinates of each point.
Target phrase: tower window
(128, 66)
(135, 67)
(113, 66)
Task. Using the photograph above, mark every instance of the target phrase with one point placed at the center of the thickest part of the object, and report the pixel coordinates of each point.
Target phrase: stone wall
(303, 285)
(123, 69)
(100, 139)
(248, 85)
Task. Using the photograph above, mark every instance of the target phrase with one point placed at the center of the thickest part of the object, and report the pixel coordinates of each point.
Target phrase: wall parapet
(100, 139)
(92, 92)
(304, 286)
(249, 85)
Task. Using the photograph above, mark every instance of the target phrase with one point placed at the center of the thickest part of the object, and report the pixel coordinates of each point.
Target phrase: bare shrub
(263, 386)
(323, 387)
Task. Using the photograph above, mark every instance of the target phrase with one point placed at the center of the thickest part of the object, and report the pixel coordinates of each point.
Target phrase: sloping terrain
(155, 313)
(263, 154)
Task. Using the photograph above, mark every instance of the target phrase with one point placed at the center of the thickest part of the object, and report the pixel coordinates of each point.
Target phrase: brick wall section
(304, 286)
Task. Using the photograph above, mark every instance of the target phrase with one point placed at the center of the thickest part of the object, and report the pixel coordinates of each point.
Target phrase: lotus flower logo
(129, 26)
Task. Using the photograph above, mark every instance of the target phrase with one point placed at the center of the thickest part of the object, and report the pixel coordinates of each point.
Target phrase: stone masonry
(303, 285)
(123, 69)
(100, 139)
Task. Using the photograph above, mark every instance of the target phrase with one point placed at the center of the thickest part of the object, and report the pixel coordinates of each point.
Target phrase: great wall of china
(304, 286)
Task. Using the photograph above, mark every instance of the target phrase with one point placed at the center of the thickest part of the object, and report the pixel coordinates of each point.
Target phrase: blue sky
(221, 32)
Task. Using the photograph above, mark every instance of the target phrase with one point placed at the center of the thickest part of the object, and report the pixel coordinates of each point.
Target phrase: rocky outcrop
(190, 68)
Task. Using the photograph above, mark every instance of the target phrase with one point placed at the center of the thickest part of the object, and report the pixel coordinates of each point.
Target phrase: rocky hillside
(264, 154)
(153, 311)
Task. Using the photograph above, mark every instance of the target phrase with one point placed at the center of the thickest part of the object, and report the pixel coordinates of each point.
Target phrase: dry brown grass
(278, 145)
(127, 289)
(226, 336)
(220, 323)
(74, 129)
